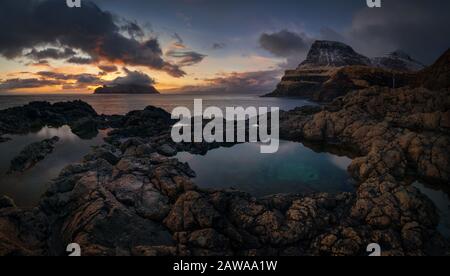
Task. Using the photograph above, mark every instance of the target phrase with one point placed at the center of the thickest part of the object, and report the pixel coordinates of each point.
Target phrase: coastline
(148, 205)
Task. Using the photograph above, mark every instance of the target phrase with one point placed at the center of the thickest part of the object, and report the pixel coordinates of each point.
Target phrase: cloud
(257, 82)
(417, 27)
(133, 29)
(12, 84)
(133, 78)
(178, 41)
(284, 43)
(186, 58)
(50, 78)
(27, 24)
(218, 46)
(51, 53)
(108, 68)
(80, 60)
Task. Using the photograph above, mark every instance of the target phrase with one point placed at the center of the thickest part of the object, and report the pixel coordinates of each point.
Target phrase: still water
(121, 104)
(26, 188)
(293, 169)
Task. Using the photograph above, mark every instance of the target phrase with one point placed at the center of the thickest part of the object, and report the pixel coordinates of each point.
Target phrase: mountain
(332, 54)
(332, 69)
(126, 89)
(437, 76)
(399, 61)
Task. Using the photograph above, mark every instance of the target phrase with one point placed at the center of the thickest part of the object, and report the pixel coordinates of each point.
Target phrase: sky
(180, 46)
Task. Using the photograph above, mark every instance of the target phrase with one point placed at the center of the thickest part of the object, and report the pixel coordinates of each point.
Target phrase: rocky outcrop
(127, 198)
(126, 89)
(32, 154)
(398, 134)
(36, 115)
(326, 84)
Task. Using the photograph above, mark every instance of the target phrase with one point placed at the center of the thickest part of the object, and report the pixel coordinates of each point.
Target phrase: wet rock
(167, 150)
(6, 202)
(32, 154)
(85, 128)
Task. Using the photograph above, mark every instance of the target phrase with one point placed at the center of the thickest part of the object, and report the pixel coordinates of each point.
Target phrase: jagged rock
(32, 154)
(146, 203)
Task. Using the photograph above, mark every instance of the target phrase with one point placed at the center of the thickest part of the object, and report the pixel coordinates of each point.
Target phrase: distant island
(126, 89)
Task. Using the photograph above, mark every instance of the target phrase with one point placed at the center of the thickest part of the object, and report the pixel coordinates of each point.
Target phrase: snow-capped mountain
(399, 61)
(333, 54)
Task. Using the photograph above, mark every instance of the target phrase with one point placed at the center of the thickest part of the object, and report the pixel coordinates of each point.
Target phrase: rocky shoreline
(128, 197)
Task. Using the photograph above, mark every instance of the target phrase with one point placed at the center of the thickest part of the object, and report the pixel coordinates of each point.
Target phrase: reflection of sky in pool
(293, 169)
(27, 188)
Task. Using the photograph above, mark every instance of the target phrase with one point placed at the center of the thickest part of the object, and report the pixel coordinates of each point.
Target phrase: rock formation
(126, 89)
(127, 198)
(333, 69)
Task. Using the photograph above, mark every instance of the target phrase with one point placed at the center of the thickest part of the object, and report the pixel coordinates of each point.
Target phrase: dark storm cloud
(25, 24)
(284, 43)
(186, 58)
(132, 29)
(134, 78)
(420, 28)
(51, 53)
(12, 84)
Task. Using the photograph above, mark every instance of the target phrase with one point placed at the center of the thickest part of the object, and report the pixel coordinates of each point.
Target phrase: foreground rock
(128, 198)
(36, 115)
(32, 154)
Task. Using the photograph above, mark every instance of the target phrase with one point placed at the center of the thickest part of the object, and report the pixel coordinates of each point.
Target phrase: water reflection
(27, 188)
(441, 200)
(293, 169)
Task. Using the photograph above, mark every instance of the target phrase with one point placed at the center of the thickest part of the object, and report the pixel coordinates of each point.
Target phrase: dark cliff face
(126, 89)
(437, 76)
(333, 69)
(333, 54)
